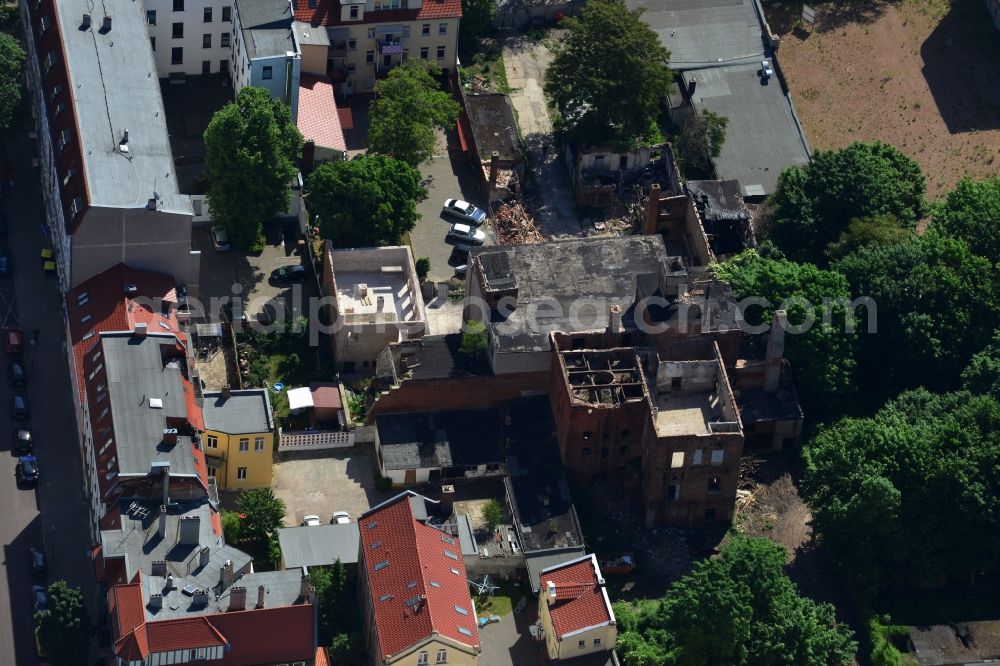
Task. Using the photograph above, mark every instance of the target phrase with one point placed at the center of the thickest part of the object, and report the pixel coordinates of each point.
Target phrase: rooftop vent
(106, 25)
(86, 22)
(156, 403)
(123, 144)
(131, 289)
(140, 330)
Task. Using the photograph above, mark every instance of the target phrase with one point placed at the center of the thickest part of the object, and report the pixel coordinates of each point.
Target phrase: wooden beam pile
(513, 224)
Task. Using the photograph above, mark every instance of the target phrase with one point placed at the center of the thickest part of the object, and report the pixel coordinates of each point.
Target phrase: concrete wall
(193, 18)
(314, 59)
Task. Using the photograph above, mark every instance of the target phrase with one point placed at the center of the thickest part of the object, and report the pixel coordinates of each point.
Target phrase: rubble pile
(513, 224)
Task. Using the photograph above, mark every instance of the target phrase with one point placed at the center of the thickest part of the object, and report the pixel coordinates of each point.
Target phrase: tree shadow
(830, 15)
(960, 65)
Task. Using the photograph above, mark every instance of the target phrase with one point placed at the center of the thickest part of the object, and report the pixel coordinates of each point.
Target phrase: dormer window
(354, 12)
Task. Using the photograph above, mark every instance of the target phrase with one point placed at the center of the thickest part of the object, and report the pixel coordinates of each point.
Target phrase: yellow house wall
(456, 657)
(258, 463)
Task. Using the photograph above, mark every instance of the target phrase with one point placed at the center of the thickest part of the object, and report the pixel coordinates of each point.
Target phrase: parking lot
(321, 482)
(225, 274)
(446, 176)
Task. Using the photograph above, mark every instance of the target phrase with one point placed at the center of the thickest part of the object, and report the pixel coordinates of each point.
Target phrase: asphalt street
(31, 300)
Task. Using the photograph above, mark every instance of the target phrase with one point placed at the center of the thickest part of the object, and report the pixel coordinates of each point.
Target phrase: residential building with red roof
(415, 595)
(355, 42)
(575, 617)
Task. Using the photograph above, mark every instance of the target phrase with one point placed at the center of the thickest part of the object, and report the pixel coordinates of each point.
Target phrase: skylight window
(455, 571)
(156, 403)
(447, 539)
(375, 544)
(461, 611)
(83, 298)
(413, 601)
(385, 597)
(450, 554)
(412, 584)
(434, 583)
(372, 524)
(381, 565)
(85, 318)
(464, 631)
(165, 327)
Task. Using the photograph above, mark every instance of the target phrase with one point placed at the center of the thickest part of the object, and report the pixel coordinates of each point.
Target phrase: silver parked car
(465, 235)
(464, 211)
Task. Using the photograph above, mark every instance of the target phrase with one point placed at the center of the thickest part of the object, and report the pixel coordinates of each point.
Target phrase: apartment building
(239, 438)
(107, 172)
(575, 617)
(190, 36)
(265, 50)
(355, 42)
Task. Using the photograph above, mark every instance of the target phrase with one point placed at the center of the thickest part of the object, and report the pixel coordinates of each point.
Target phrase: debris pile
(514, 225)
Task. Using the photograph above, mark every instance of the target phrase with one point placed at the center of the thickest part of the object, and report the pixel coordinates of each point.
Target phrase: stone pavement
(525, 63)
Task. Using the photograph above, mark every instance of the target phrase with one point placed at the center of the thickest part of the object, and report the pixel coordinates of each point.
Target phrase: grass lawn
(503, 601)
(483, 58)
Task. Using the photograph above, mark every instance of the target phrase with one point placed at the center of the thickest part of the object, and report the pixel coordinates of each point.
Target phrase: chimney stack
(189, 531)
(106, 27)
(775, 352)
(305, 585)
(199, 598)
(226, 576)
(615, 326)
(155, 602)
(170, 436)
(203, 556)
(651, 214)
(447, 500)
(550, 589)
(260, 596)
(159, 568)
(169, 584)
(162, 529)
(692, 84)
(139, 330)
(237, 598)
(227, 392)
(494, 170)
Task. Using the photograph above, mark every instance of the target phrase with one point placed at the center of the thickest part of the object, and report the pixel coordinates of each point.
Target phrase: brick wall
(478, 392)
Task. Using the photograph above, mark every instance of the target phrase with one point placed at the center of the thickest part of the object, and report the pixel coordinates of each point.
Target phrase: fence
(311, 441)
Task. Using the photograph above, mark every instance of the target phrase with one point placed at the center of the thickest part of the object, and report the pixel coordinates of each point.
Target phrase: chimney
(189, 531)
(652, 213)
(170, 436)
(106, 27)
(164, 468)
(203, 556)
(775, 352)
(308, 156)
(260, 596)
(447, 500)
(151, 204)
(550, 589)
(140, 329)
(692, 84)
(155, 602)
(169, 584)
(159, 568)
(615, 326)
(226, 576)
(305, 585)
(227, 392)
(162, 529)
(237, 598)
(379, 304)
(494, 170)
(199, 598)
(86, 22)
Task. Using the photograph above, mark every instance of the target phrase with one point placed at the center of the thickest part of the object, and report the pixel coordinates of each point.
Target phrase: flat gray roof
(137, 375)
(319, 545)
(543, 559)
(267, 27)
(763, 137)
(115, 88)
(242, 412)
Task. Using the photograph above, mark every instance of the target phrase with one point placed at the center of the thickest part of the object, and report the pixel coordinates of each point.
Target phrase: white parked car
(220, 240)
(464, 234)
(311, 520)
(340, 518)
(464, 211)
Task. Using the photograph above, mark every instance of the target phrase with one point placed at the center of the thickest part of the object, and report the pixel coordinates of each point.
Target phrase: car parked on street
(464, 211)
(13, 340)
(340, 518)
(288, 274)
(36, 562)
(19, 406)
(16, 373)
(311, 520)
(464, 234)
(220, 240)
(22, 438)
(27, 470)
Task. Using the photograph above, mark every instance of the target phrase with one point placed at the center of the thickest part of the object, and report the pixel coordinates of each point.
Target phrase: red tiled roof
(327, 12)
(183, 633)
(129, 620)
(580, 600)
(416, 594)
(318, 118)
(268, 635)
(322, 658)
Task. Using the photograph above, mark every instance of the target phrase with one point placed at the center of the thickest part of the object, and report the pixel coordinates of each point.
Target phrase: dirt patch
(773, 509)
(919, 74)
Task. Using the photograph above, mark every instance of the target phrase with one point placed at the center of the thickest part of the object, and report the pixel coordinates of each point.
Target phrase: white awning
(299, 398)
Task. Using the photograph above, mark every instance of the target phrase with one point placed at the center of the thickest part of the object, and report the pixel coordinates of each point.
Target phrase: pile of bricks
(513, 224)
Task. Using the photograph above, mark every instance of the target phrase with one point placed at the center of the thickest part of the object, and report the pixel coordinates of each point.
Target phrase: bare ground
(919, 74)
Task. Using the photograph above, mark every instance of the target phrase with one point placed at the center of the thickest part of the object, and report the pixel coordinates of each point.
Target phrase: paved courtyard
(321, 482)
(508, 643)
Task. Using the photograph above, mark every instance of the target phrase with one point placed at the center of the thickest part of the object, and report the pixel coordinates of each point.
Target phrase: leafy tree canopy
(862, 231)
(912, 493)
(610, 75)
(936, 304)
(473, 338)
(477, 18)
(408, 105)
(264, 512)
(364, 202)
(739, 608)
(232, 526)
(492, 514)
(972, 212)
(822, 357)
(700, 141)
(983, 372)
(64, 627)
(815, 203)
(251, 147)
(11, 66)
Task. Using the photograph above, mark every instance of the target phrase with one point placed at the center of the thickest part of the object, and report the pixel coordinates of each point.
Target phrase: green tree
(251, 147)
(874, 230)
(814, 204)
(477, 18)
(609, 76)
(701, 140)
(982, 375)
(232, 526)
(11, 68)
(344, 649)
(971, 212)
(408, 105)
(912, 493)
(473, 339)
(822, 357)
(264, 512)
(64, 628)
(937, 305)
(370, 201)
(492, 514)
(739, 608)
(423, 267)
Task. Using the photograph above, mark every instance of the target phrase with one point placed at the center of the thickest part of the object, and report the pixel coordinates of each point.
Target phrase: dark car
(288, 274)
(22, 438)
(36, 562)
(40, 596)
(4, 263)
(19, 405)
(16, 373)
(27, 470)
